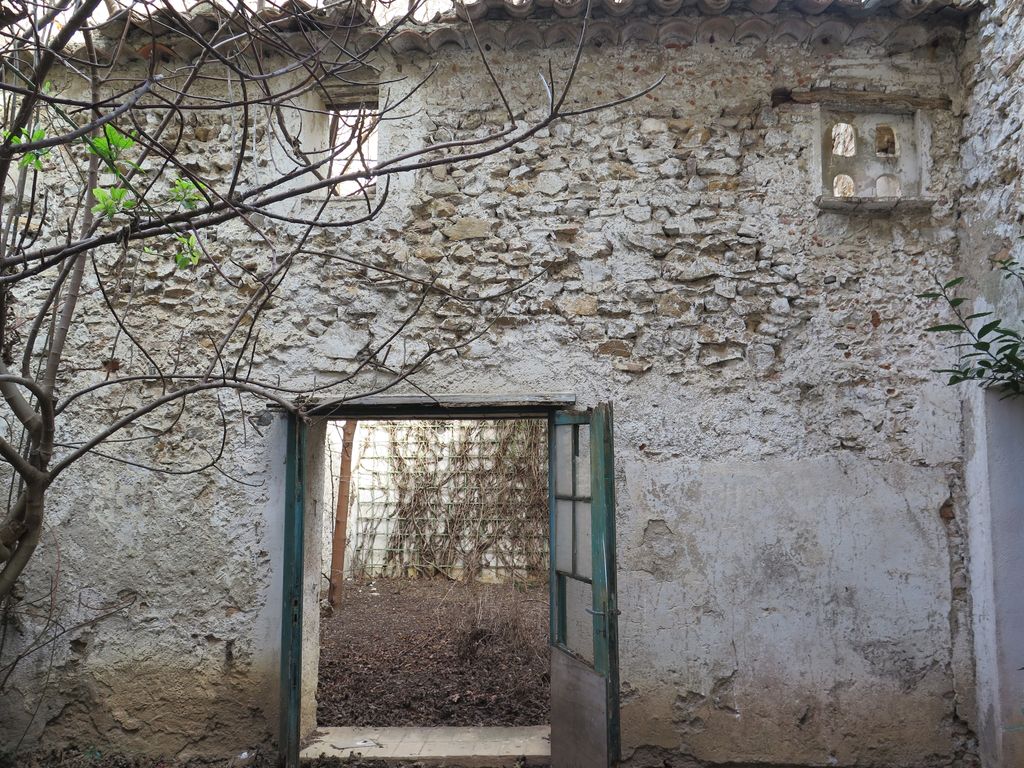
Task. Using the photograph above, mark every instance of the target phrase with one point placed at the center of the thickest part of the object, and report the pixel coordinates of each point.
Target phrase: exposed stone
(583, 306)
(653, 125)
(632, 366)
(714, 354)
(615, 348)
(622, 329)
(686, 268)
(673, 306)
(681, 226)
(468, 228)
(724, 166)
(549, 183)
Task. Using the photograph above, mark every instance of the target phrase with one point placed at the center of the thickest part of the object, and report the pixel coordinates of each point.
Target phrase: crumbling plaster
(787, 463)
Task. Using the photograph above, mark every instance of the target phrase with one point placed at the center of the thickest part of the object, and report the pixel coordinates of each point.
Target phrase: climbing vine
(461, 500)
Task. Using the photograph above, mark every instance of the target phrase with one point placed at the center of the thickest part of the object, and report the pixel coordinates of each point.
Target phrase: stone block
(549, 183)
(468, 228)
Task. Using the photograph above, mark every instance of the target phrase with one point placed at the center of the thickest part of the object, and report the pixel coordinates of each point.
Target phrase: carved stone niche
(872, 160)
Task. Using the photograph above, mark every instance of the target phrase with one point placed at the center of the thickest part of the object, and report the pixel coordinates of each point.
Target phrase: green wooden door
(291, 609)
(584, 612)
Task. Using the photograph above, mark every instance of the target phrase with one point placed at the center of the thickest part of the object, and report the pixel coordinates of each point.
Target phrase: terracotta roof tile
(823, 24)
(521, 9)
(827, 34)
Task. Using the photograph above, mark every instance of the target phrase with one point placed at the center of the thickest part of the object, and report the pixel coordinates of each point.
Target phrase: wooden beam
(862, 101)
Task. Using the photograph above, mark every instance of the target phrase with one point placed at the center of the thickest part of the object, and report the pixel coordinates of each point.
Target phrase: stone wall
(157, 586)
(791, 567)
(992, 227)
(787, 461)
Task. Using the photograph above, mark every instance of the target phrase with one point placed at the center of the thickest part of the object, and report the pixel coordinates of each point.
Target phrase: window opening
(885, 142)
(842, 186)
(844, 140)
(887, 185)
(352, 143)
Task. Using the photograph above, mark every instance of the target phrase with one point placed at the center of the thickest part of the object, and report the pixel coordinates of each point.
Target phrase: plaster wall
(790, 559)
(791, 567)
(992, 227)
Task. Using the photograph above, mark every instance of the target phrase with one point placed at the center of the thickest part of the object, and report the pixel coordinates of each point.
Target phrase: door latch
(592, 612)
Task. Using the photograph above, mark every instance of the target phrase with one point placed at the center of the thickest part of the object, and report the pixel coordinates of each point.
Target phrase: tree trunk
(341, 515)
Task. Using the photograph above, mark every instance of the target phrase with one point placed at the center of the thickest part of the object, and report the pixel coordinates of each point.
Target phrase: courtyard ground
(435, 653)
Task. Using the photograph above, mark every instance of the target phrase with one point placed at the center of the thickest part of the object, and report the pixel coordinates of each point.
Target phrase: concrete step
(491, 747)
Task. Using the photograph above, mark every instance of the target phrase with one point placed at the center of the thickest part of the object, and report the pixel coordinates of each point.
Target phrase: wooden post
(340, 537)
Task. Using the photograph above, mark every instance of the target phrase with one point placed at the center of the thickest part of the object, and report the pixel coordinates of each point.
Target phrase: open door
(291, 595)
(584, 612)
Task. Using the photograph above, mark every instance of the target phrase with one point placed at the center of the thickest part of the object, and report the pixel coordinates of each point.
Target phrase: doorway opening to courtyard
(434, 608)
(449, 583)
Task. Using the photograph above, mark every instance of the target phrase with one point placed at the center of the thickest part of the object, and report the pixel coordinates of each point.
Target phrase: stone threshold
(491, 747)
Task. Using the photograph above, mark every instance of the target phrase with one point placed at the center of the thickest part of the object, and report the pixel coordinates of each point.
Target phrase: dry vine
(466, 498)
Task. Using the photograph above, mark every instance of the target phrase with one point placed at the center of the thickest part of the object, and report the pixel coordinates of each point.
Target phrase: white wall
(995, 485)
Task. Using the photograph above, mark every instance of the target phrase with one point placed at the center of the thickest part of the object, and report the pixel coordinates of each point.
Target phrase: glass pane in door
(584, 543)
(579, 624)
(563, 536)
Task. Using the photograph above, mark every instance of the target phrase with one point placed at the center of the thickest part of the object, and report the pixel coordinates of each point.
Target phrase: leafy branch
(989, 354)
(32, 158)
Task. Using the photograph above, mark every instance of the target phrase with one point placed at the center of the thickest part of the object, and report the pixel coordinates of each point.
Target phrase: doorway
(434, 609)
(383, 547)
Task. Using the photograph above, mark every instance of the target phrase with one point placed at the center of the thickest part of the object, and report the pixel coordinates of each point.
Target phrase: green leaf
(187, 193)
(34, 157)
(110, 145)
(189, 253)
(109, 202)
(947, 328)
(987, 328)
(953, 283)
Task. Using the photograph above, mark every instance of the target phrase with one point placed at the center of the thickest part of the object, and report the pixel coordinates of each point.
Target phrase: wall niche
(871, 161)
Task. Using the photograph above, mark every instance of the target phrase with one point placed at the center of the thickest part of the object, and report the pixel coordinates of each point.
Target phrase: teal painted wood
(606, 609)
(291, 610)
(575, 451)
(554, 600)
(572, 417)
(600, 500)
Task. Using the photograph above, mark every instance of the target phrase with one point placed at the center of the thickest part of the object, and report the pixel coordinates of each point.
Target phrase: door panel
(291, 593)
(580, 713)
(584, 627)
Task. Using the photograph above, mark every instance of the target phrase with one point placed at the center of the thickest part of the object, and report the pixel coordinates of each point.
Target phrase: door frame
(379, 407)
